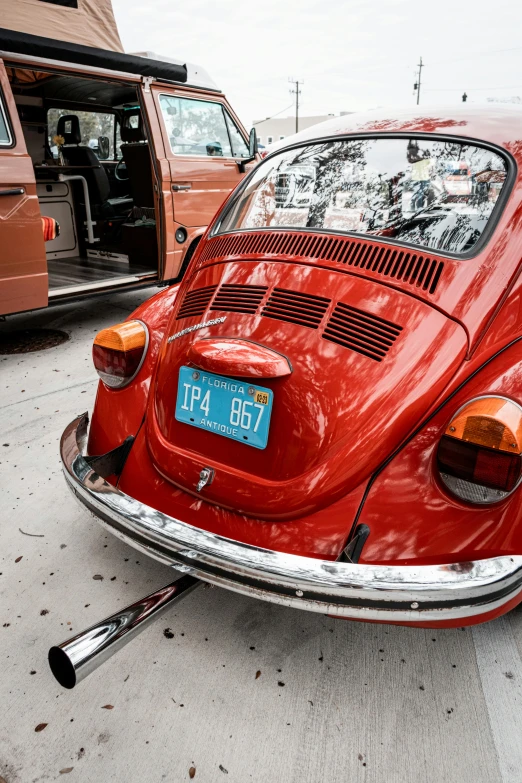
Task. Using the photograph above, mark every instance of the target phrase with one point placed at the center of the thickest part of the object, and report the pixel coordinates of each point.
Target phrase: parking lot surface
(222, 688)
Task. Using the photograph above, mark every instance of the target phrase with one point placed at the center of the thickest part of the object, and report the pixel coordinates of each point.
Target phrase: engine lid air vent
(239, 298)
(296, 308)
(196, 302)
(366, 256)
(359, 331)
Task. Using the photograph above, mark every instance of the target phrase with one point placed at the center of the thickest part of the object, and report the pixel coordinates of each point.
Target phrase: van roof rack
(64, 51)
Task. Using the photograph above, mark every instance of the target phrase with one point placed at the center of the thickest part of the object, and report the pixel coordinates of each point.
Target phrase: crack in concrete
(47, 394)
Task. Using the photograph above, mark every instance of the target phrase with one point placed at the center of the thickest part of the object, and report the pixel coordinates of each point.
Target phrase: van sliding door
(23, 265)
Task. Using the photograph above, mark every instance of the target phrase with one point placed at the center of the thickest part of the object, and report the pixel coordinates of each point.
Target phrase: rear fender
(119, 413)
(411, 515)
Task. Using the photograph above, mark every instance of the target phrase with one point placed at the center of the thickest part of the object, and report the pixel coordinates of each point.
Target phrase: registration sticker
(261, 397)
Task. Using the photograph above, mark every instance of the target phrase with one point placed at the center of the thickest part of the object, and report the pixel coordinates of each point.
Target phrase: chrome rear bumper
(403, 594)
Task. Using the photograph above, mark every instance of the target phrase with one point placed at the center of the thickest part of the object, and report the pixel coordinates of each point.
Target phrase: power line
(473, 55)
(458, 89)
(274, 115)
(397, 66)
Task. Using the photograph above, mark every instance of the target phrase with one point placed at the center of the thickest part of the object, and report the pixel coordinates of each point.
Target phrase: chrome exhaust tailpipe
(72, 660)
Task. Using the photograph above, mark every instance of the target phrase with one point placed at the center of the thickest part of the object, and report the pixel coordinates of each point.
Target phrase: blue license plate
(236, 409)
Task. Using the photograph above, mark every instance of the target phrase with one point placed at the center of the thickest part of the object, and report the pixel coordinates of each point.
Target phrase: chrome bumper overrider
(423, 593)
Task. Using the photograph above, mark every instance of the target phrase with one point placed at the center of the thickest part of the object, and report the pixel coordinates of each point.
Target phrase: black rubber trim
(113, 462)
(352, 551)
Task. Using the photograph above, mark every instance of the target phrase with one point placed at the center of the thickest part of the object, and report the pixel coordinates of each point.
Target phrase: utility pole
(297, 93)
(417, 84)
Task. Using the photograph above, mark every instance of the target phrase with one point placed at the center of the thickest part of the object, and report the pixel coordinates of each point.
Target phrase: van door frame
(162, 183)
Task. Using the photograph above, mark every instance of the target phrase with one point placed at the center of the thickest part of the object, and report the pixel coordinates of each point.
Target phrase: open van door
(204, 149)
(23, 265)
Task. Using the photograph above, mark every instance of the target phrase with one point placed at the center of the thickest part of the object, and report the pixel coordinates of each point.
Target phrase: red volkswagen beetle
(327, 413)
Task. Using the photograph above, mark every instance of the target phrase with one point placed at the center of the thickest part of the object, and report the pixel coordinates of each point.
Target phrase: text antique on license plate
(236, 409)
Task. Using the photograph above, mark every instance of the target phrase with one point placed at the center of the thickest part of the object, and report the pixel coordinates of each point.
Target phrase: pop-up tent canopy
(85, 22)
(50, 29)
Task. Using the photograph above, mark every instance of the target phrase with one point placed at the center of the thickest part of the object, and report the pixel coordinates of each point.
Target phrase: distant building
(278, 128)
(513, 99)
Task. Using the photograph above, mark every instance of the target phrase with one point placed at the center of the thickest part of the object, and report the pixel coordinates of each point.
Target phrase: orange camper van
(129, 156)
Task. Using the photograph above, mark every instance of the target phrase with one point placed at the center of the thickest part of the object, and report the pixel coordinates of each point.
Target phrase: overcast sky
(351, 56)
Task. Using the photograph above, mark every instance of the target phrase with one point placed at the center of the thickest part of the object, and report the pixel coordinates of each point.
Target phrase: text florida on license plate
(236, 409)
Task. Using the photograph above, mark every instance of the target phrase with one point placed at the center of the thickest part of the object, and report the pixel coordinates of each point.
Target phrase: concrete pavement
(243, 691)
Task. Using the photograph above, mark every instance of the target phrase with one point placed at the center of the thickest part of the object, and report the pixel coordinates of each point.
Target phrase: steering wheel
(121, 165)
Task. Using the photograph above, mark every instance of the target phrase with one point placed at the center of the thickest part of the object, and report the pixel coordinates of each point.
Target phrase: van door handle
(13, 192)
(177, 187)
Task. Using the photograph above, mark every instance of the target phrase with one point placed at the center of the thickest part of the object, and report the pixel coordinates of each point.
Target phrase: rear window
(435, 194)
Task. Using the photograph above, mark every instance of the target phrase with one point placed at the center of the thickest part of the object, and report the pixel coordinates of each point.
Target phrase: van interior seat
(97, 180)
(136, 154)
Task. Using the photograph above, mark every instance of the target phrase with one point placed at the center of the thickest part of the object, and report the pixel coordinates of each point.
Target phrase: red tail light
(118, 352)
(487, 467)
(480, 454)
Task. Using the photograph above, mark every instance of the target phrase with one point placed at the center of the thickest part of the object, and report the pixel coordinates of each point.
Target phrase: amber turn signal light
(118, 352)
(480, 454)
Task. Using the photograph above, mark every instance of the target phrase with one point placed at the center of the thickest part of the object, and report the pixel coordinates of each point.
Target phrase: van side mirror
(252, 151)
(104, 147)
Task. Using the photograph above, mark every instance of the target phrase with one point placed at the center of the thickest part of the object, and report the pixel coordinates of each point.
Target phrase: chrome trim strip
(425, 593)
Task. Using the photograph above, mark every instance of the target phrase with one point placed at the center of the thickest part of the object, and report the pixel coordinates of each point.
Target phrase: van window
(239, 145)
(92, 125)
(195, 127)
(5, 136)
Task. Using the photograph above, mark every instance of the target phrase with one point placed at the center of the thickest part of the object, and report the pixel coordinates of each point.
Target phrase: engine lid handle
(239, 358)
